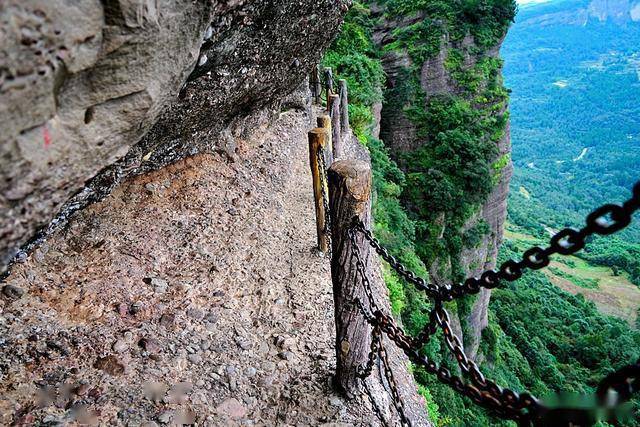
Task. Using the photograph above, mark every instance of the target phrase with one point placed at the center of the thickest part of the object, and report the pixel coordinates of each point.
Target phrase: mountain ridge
(579, 12)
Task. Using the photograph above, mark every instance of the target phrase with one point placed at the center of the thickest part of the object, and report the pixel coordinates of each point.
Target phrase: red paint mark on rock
(47, 136)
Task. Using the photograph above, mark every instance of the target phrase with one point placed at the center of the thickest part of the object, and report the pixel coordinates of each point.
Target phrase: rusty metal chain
(505, 403)
(325, 196)
(506, 399)
(377, 350)
(361, 270)
(624, 382)
(376, 409)
(366, 370)
(379, 353)
(605, 220)
(421, 284)
(397, 401)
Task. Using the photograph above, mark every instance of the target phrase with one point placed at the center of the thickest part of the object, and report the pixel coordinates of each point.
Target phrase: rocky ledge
(89, 91)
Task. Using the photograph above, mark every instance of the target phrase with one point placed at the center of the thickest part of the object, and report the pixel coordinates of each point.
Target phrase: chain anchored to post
(614, 390)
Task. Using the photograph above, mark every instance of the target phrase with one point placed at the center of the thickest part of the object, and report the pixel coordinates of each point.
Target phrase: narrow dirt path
(191, 294)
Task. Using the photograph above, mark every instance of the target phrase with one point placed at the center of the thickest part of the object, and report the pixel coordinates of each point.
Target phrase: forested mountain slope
(430, 105)
(574, 71)
(572, 68)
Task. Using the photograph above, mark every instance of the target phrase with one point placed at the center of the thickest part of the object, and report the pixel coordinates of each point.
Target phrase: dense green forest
(539, 337)
(575, 124)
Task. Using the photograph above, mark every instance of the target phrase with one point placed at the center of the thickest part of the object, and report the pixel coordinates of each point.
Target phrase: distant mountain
(616, 10)
(574, 71)
(579, 12)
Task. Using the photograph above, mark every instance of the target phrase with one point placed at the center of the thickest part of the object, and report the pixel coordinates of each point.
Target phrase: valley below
(612, 292)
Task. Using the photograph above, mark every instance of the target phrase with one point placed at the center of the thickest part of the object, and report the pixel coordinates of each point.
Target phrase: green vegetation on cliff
(460, 164)
(539, 337)
(450, 174)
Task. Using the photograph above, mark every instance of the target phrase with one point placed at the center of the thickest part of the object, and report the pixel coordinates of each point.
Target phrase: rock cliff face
(93, 86)
(400, 134)
(483, 256)
(161, 144)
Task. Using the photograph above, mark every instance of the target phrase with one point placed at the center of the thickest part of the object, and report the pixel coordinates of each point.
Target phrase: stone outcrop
(81, 82)
(399, 134)
(89, 91)
(483, 256)
(160, 145)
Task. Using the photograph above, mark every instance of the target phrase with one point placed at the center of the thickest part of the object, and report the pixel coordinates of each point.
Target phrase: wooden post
(344, 107)
(329, 106)
(328, 81)
(350, 195)
(312, 85)
(317, 140)
(325, 123)
(318, 85)
(336, 133)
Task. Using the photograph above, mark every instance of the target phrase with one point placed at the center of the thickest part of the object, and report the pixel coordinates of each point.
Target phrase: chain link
(376, 409)
(623, 382)
(374, 355)
(421, 284)
(361, 271)
(377, 349)
(393, 385)
(605, 220)
(505, 403)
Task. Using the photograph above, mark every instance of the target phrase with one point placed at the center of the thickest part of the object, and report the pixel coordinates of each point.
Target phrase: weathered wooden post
(344, 107)
(328, 81)
(329, 109)
(324, 122)
(336, 133)
(350, 195)
(312, 85)
(317, 85)
(318, 141)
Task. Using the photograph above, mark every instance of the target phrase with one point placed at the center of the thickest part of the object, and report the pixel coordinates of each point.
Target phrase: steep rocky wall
(483, 257)
(400, 134)
(81, 82)
(89, 91)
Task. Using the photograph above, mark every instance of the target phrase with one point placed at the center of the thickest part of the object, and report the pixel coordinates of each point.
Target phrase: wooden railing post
(317, 85)
(350, 195)
(312, 84)
(328, 81)
(336, 133)
(344, 107)
(317, 141)
(324, 122)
